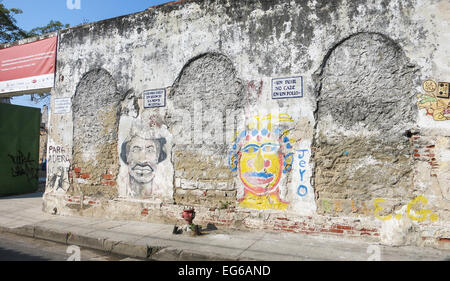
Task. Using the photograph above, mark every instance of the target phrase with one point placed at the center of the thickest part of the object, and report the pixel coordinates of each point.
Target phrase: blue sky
(40, 12)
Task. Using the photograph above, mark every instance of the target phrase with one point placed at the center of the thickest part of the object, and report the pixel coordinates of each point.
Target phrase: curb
(147, 252)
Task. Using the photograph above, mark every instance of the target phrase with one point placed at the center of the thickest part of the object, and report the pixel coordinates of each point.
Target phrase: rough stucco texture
(364, 110)
(95, 118)
(206, 90)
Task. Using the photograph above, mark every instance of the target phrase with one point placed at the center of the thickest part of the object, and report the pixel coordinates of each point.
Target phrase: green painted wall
(19, 149)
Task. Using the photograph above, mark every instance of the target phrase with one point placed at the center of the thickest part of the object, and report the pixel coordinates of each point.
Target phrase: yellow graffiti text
(414, 205)
(378, 209)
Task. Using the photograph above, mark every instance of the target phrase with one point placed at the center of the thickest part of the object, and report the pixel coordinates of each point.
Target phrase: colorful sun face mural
(436, 101)
(262, 155)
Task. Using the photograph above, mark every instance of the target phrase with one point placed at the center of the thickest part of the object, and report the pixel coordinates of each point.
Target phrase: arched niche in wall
(206, 98)
(366, 105)
(95, 108)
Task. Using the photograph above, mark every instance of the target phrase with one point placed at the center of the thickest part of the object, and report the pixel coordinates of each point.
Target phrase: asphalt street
(19, 248)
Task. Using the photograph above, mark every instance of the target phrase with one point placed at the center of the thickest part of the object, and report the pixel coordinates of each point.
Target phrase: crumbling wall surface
(95, 108)
(207, 90)
(365, 111)
(362, 150)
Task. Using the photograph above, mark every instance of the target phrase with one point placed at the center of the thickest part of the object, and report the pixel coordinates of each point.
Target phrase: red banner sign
(28, 67)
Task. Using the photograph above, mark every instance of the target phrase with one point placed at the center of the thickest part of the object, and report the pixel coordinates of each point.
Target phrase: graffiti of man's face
(142, 158)
(261, 166)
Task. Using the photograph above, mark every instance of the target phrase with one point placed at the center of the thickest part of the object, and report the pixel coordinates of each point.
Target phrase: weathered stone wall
(362, 151)
(206, 90)
(95, 108)
(365, 112)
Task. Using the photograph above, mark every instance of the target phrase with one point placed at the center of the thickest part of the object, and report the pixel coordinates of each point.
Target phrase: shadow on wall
(209, 91)
(366, 103)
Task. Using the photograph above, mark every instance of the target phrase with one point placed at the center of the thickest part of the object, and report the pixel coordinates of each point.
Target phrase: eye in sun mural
(436, 101)
(262, 156)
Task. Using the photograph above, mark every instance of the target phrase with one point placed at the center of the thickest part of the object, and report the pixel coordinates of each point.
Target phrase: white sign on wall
(62, 106)
(155, 98)
(284, 88)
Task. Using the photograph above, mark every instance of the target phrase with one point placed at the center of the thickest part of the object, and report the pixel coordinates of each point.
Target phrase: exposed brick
(77, 170)
(108, 183)
(336, 231)
(344, 227)
(85, 176)
(108, 177)
(368, 230)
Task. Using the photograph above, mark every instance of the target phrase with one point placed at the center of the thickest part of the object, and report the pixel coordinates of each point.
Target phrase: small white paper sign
(63, 106)
(155, 98)
(284, 88)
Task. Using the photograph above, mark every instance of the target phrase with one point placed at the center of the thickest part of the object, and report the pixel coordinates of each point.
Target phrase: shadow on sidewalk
(12, 255)
(23, 196)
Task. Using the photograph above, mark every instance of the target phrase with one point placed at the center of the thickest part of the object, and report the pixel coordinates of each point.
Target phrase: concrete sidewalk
(23, 215)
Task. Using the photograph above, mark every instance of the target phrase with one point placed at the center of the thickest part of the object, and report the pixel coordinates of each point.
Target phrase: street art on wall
(436, 101)
(23, 166)
(142, 151)
(302, 189)
(58, 177)
(261, 155)
(414, 210)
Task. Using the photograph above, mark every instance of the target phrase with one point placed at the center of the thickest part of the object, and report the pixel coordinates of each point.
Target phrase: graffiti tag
(24, 166)
(413, 211)
(302, 189)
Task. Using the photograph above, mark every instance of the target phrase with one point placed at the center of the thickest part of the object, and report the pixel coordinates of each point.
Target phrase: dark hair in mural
(160, 141)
